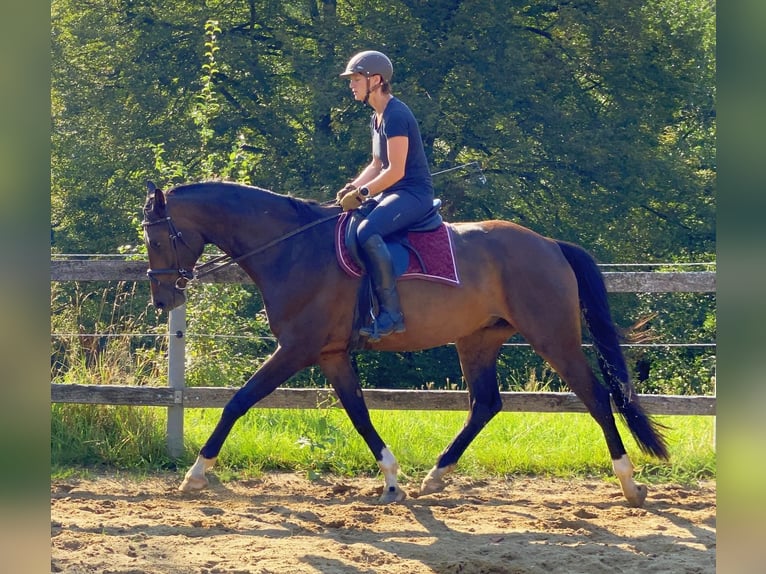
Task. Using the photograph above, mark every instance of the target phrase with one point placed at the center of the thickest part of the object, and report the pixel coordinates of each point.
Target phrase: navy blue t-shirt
(398, 120)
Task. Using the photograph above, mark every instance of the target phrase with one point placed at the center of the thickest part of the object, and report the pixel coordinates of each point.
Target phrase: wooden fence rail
(381, 399)
(176, 396)
(616, 281)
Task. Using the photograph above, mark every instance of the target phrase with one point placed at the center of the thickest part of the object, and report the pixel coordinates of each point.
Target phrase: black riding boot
(381, 270)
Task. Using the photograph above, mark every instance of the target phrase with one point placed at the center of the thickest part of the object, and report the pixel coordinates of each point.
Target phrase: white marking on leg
(434, 480)
(634, 493)
(623, 468)
(389, 467)
(195, 478)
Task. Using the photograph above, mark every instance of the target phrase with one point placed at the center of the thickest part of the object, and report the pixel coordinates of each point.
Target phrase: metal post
(176, 381)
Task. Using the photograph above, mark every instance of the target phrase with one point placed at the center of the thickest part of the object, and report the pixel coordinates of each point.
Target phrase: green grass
(323, 441)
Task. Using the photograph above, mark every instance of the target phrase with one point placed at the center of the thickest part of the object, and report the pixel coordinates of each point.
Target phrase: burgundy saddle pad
(434, 247)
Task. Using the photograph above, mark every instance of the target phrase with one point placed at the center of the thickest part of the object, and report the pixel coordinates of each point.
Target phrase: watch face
(364, 191)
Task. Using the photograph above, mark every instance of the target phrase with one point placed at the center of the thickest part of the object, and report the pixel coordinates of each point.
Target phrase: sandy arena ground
(283, 523)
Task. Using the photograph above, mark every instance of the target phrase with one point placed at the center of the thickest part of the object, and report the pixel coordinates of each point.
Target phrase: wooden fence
(176, 396)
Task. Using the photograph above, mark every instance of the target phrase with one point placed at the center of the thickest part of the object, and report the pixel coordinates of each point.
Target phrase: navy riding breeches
(396, 210)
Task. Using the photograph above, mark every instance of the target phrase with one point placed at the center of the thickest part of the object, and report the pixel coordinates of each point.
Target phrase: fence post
(176, 380)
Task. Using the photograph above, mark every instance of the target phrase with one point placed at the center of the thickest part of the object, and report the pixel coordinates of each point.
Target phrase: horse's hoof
(639, 496)
(431, 484)
(392, 494)
(192, 483)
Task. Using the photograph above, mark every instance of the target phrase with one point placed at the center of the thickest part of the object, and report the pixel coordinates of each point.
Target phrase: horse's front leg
(277, 369)
(478, 356)
(338, 370)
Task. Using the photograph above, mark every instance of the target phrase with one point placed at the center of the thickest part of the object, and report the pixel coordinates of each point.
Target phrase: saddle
(422, 251)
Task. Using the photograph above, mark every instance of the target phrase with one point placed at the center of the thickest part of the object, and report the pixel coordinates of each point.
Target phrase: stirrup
(374, 333)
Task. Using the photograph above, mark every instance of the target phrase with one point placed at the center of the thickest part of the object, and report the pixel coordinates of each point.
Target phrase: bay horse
(512, 280)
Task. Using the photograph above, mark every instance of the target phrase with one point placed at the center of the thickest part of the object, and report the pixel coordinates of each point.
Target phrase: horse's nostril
(160, 305)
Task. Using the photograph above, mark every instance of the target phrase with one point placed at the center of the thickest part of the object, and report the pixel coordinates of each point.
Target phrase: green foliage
(92, 342)
(593, 122)
(209, 161)
(677, 370)
(227, 336)
(435, 368)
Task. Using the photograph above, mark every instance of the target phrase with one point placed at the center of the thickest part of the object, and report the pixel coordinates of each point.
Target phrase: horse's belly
(426, 330)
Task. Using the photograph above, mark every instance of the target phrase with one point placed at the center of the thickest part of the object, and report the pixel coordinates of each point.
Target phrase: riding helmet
(370, 63)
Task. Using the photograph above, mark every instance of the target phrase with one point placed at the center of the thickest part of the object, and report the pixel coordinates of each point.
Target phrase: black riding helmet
(369, 63)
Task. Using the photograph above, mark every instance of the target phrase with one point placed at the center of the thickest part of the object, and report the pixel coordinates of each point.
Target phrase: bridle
(184, 276)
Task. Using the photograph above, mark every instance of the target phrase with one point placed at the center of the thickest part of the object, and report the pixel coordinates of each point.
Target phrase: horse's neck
(236, 223)
(257, 227)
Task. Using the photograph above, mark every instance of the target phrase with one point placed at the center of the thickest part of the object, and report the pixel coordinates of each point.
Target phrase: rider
(397, 178)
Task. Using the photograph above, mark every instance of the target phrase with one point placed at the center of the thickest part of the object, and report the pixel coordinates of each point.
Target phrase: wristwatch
(363, 191)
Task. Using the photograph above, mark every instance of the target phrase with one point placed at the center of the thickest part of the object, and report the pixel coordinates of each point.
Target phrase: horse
(512, 280)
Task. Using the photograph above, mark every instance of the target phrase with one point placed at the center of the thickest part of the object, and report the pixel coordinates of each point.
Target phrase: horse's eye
(155, 244)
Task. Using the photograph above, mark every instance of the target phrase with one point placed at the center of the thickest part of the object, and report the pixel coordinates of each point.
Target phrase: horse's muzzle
(168, 302)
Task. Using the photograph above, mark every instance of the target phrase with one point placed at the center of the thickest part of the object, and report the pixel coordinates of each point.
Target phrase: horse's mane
(304, 208)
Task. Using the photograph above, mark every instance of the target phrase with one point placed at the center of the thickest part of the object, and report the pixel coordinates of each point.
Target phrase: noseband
(184, 275)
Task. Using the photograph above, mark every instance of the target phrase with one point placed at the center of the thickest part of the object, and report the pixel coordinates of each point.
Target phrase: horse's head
(173, 251)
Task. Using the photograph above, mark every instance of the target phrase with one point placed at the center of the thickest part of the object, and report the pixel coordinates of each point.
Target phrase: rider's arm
(369, 173)
(385, 178)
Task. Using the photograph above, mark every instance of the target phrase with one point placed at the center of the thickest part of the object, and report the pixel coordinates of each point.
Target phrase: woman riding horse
(397, 178)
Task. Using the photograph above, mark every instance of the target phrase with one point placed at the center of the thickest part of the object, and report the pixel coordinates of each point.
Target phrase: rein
(225, 260)
(221, 261)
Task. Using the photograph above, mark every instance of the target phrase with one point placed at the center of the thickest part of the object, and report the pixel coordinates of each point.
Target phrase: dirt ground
(283, 523)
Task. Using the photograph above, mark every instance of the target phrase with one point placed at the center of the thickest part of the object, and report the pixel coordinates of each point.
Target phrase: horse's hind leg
(478, 361)
(338, 370)
(575, 371)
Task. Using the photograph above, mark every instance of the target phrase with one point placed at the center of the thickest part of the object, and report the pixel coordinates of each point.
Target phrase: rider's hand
(346, 188)
(351, 200)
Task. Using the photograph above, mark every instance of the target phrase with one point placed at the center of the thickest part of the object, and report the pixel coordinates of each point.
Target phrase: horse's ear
(155, 197)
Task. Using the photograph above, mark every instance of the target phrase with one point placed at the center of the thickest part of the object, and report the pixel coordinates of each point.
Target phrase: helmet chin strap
(369, 91)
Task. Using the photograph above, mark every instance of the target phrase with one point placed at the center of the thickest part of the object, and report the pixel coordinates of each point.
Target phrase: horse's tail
(598, 318)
